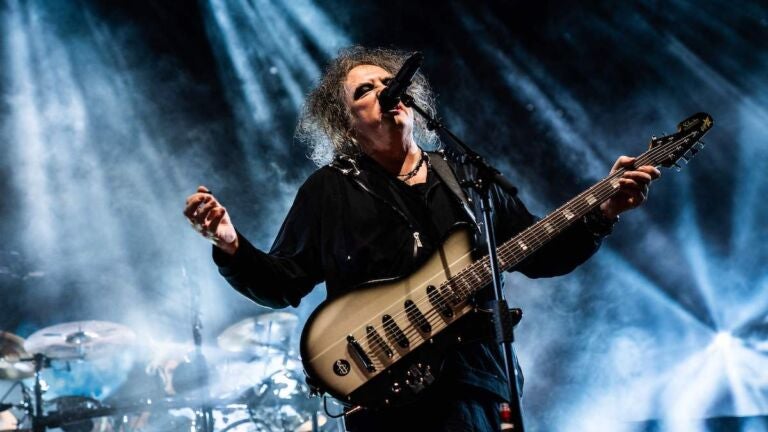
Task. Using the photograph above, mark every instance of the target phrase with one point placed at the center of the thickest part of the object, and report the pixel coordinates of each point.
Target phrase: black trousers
(443, 408)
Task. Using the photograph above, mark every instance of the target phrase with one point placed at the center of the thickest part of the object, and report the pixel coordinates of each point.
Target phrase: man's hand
(211, 220)
(633, 187)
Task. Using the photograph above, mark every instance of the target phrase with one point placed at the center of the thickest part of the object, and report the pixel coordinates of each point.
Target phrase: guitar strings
(505, 253)
(459, 281)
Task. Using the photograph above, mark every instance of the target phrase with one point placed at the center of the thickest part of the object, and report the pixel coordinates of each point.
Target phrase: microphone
(390, 96)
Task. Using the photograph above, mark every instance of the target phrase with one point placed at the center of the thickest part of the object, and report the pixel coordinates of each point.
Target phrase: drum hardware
(274, 401)
(203, 412)
(80, 340)
(262, 335)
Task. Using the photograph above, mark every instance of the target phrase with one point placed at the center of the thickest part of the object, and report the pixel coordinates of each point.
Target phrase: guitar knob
(396, 387)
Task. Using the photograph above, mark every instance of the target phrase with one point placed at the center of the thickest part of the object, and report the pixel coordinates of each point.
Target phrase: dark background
(112, 112)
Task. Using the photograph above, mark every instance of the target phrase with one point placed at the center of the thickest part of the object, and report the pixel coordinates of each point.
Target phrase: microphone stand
(504, 319)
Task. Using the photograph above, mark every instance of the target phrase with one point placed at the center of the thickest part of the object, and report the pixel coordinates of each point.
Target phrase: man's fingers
(628, 184)
(638, 196)
(202, 212)
(215, 219)
(193, 203)
(622, 161)
(198, 197)
(203, 189)
(650, 170)
(638, 176)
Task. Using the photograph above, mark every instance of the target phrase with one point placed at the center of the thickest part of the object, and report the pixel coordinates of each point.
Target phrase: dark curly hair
(325, 121)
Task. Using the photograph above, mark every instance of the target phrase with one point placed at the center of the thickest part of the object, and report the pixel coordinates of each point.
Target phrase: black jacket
(348, 226)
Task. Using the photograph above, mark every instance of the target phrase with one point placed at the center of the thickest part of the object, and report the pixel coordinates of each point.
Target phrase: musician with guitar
(393, 233)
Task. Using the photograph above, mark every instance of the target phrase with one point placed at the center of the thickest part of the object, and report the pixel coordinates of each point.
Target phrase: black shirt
(352, 222)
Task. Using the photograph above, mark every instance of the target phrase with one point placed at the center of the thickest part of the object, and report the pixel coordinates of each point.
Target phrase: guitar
(383, 343)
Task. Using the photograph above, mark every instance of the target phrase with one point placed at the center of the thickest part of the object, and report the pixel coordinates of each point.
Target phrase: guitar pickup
(394, 332)
(360, 354)
(375, 339)
(417, 317)
(439, 302)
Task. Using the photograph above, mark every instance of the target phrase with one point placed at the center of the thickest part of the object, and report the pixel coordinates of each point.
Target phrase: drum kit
(251, 382)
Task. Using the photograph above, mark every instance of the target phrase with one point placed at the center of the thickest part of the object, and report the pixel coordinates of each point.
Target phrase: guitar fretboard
(514, 251)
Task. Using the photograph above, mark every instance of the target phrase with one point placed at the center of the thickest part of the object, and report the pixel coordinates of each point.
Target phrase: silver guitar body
(346, 360)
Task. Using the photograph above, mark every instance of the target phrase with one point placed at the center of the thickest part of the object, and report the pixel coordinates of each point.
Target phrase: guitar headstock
(684, 144)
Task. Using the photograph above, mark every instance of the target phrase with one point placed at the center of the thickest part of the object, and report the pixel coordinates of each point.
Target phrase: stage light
(252, 38)
(723, 340)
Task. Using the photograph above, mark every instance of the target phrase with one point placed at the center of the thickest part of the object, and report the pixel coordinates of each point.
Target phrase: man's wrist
(599, 222)
(229, 248)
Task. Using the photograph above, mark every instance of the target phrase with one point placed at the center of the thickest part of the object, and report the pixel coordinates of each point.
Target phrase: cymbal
(80, 340)
(268, 331)
(11, 351)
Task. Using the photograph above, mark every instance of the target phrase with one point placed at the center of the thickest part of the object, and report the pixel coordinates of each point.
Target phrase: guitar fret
(475, 275)
(535, 236)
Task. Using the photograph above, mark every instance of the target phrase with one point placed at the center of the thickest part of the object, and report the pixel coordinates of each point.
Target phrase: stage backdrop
(112, 112)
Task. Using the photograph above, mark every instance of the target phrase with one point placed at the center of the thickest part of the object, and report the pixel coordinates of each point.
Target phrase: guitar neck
(533, 238)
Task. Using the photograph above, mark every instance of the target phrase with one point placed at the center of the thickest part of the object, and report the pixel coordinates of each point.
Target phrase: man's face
(371, 125)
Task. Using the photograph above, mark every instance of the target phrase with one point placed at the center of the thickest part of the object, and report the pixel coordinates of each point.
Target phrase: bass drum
(281, 402)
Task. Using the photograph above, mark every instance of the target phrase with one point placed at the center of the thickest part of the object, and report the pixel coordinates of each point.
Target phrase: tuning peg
(700, 144)
(678, 168)
(694, 150)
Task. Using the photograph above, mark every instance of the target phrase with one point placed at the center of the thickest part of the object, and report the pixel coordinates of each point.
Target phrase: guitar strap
(449, 178)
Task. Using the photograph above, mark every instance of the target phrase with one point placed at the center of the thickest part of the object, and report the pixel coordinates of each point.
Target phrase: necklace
(412, 173)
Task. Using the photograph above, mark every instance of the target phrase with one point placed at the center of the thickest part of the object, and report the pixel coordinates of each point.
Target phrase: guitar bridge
(360, 354)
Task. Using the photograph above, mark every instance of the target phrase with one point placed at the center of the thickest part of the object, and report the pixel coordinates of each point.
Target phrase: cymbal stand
(40, 361)
(204, 414)
(26, 397)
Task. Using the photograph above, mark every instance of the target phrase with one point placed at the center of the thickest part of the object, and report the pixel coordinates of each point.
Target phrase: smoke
(103, 137)
(101, 191)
